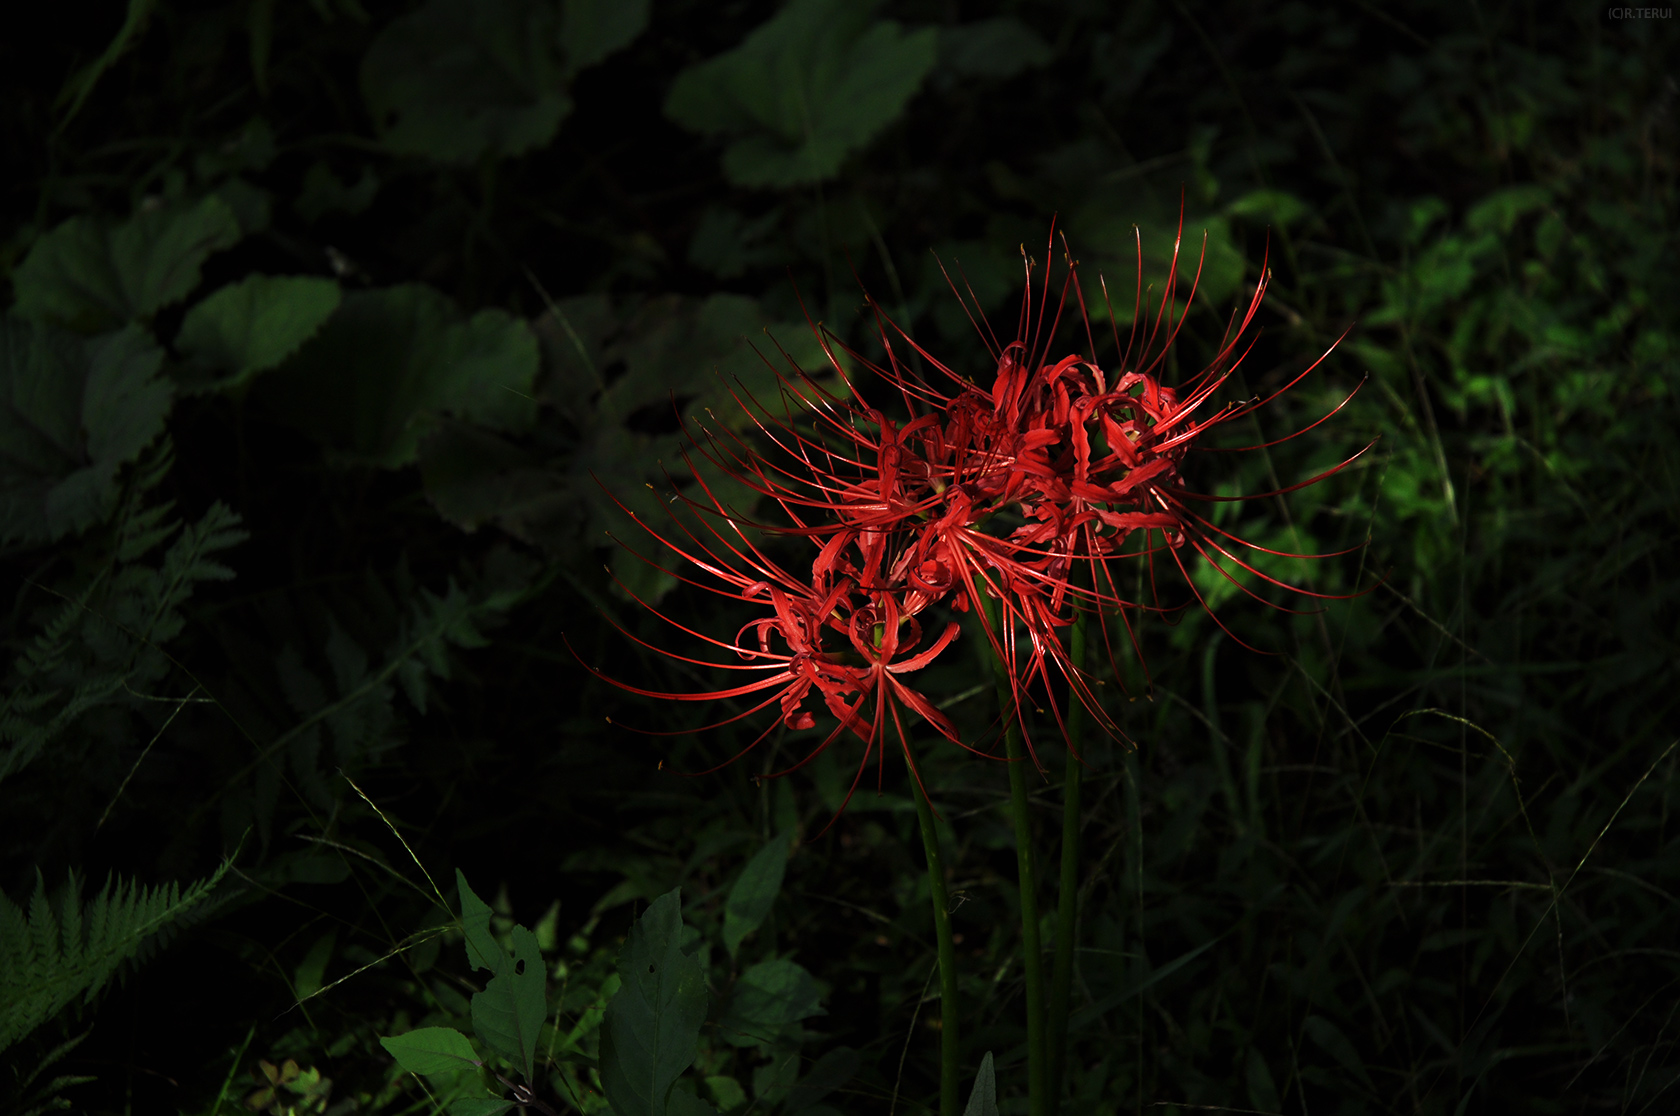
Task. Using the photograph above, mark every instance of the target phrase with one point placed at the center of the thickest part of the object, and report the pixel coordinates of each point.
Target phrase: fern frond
(48, 959)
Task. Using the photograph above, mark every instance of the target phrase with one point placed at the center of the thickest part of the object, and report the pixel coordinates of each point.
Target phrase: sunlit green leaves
(430, 1050)
(390, 363)
(73, 412)
(458, 80)
(250, 326)
(651, 1026)
(803, 91)
(92, 275)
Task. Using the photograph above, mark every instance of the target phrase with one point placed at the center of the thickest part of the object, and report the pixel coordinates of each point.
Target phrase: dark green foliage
(61, 950)
(332, 326)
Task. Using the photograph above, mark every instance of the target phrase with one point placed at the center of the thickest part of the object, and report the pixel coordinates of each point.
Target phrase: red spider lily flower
(830, 639)
(1021, 491)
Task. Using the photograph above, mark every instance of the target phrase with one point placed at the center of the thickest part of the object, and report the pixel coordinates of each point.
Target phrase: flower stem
(1067, 910)
(948, 1084)
(1032, 949)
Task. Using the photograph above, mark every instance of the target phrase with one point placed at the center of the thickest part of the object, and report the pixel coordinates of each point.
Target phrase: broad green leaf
(91, 275)
(766, 998)
(483, 950)
(832, 1070)
(458, 80)
(432, 1050)
(511, 1009)
(982, 1099)
(1279, 207)
(251, 326)
(73, 412)
(312, 970)
(992, 48)
(754, 892)
(803, 91)
(383, 370)
(652, 1025)
(479, 1106)
(687, 1104)
(592, 30)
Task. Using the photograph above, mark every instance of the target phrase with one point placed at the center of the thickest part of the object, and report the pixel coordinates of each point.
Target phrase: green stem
(1032, 948)
(1067, 910)
(948, 1083)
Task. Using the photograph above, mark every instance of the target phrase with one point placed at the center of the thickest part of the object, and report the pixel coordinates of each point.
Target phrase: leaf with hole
(652, 1024)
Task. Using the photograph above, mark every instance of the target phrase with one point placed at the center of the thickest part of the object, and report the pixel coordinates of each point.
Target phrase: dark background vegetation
(1417, 859)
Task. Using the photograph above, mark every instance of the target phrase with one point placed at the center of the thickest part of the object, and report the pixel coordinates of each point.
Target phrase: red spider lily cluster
(1009, 501)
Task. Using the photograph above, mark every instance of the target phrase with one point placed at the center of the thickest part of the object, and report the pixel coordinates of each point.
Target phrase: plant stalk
(1067, 909)
(948, 1052)
(1032, 949)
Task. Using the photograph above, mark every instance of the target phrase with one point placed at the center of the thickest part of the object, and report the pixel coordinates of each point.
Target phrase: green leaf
(1262, 1089)
(72, 414)
(383, 370)
(432, 1050)
(92, 276)
(832, 1070)
(768, 997)
(754, 892)
(510, 1011)
(323, 192)
(1278, 207)
(479, 1106)
(687, 1104)
(251, 326)
(982, 1100)
(803, 91)
(592, 30)
(652, 1024)
(457, 80)
(1331, 1039)
(992, 48)
(483, 950)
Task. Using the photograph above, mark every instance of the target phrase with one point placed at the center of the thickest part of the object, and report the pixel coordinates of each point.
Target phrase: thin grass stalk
(1067, 908)
(1032, 948)
(948, 1031)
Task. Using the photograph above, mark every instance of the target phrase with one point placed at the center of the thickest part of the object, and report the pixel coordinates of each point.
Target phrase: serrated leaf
(803, 91)
(510, 1011)
(430, 1050)
(72, 414)
(754, 892)
(251, 326)
(391, 363)
(91, 276)
(457, 80)
(982, 1099)
(766, 998)
(593, 30)
(652, 1024)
